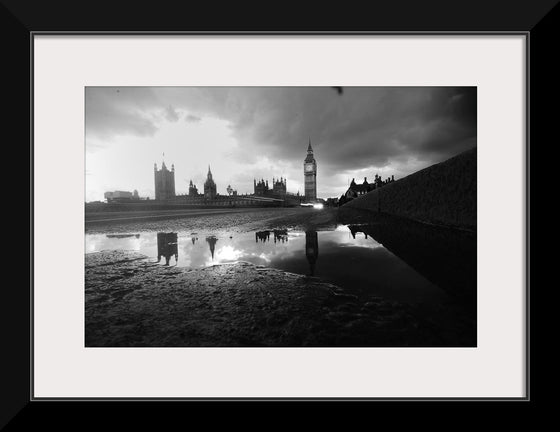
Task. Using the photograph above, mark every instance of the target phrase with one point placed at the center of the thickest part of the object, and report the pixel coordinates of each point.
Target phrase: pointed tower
(209, 186)
(193, 191)
(310, 175)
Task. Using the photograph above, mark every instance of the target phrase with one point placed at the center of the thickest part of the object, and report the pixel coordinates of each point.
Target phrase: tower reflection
(280, 236)
(211, 240)
(311, 249)
(262, 236)
(167, 246)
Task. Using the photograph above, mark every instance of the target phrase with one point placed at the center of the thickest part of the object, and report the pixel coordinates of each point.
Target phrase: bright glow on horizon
(191, 148)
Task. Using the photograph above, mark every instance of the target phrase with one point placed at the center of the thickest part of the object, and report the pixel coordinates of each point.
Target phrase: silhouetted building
(164, 182)
(311, 249)
(212, 243)
(165, 190)
(380, 182)
(310, 175)
(262, 236)
(121, 196)
(167, 246)
(193, 191)
(280, 236)
(355, 190)
(261, 187)
(279, 186)
(209, 186)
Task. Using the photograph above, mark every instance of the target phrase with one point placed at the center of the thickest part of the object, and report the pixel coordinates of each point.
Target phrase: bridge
(259, 198)
(287, 199)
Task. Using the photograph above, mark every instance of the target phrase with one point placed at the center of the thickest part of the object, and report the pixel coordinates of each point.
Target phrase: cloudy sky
(257, 132)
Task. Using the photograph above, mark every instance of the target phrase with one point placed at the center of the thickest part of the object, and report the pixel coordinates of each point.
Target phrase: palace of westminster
(264, 193)
(164, 179)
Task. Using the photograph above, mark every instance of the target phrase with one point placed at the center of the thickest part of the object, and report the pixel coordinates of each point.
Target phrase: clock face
(308, 168)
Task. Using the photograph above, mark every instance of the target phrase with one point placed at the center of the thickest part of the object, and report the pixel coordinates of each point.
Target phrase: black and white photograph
(280, 216)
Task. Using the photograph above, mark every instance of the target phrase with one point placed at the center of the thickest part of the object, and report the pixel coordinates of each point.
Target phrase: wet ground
(208, 221)
(280, 277)
(353, 261)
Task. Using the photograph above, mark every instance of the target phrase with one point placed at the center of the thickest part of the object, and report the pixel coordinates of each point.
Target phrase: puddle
(345, 256)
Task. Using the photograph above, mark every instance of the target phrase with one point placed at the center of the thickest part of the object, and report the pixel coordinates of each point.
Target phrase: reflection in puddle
(211, 240)
(311, 249)
(123, 235)
(262, 236)
(364, 260)
(278, 236)
(167, 246)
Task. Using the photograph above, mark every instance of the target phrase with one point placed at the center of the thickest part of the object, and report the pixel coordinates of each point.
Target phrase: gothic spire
(309, 149)
(212, 243)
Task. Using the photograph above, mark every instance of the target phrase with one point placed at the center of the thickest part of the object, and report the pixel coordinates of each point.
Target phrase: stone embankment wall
(443, 194)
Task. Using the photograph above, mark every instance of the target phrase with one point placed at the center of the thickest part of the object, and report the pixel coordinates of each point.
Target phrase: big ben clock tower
(310, 173)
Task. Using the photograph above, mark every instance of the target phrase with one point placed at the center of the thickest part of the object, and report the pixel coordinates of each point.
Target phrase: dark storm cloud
(357, 128)
(364, 127)
(352, 129)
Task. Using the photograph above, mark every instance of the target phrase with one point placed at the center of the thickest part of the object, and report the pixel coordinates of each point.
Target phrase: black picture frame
(20, 21)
